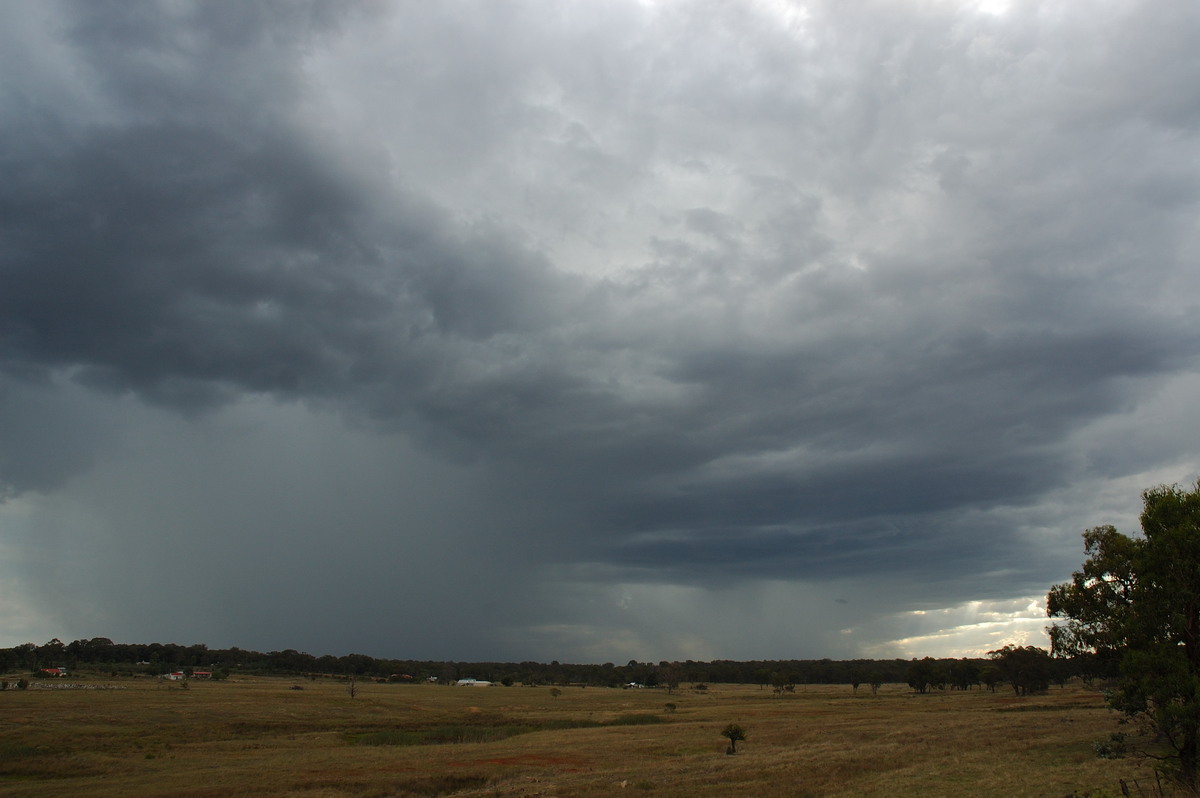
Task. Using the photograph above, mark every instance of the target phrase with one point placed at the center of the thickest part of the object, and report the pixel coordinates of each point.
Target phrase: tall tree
(1136, 602)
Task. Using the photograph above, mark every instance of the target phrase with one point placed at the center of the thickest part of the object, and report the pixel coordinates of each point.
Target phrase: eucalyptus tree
(1136, 603)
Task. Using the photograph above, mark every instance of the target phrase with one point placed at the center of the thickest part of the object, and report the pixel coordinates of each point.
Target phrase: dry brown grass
(259, 737)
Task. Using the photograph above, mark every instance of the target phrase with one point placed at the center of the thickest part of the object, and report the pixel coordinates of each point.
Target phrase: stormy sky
(590, 330)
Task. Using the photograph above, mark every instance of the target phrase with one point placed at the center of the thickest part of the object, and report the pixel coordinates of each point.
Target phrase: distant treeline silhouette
(100, 653)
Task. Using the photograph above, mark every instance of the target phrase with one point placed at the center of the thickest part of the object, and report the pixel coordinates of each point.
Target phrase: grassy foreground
(262, 737)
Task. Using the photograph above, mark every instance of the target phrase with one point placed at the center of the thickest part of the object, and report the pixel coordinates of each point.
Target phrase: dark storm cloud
(202, 247)
(680, 295)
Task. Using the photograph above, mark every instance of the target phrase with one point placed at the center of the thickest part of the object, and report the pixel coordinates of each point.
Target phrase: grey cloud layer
(741, 291)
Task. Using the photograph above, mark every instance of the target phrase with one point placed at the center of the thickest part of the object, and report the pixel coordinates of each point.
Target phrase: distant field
(258, 736)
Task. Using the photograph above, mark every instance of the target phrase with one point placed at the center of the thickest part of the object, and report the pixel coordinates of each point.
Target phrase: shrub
(734, 733)
(1112, 748)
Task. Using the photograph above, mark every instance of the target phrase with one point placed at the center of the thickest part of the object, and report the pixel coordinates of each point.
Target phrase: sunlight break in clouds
(968, 630)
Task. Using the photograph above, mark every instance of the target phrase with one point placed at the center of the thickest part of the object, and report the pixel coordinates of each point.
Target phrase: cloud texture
(586, 331)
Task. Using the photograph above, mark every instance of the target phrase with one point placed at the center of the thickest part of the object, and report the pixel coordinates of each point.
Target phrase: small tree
(555, 692)
(782, 683)
(670, 675)
(1026, 668)
(963, 674)
(922, 674)
(733, 732)
(991, 676)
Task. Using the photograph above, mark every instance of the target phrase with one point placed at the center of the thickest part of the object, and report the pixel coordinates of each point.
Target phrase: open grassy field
(261, 737)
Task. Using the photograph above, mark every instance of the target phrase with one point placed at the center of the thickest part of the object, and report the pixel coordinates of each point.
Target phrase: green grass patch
(13, 751)
(635, 720)
(441, 735)
(487, 729)
(388, 737)
(439, 785)
(1047, 708)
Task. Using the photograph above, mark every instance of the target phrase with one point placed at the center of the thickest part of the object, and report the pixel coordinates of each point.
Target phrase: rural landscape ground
(270, 736)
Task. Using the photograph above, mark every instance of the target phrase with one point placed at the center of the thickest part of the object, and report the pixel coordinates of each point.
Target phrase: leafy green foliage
(1135, 604)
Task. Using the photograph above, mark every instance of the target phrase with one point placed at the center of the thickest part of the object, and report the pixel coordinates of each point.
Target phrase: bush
(1112, 748)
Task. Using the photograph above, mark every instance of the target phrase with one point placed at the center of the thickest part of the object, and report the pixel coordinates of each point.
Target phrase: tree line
(102, 654)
